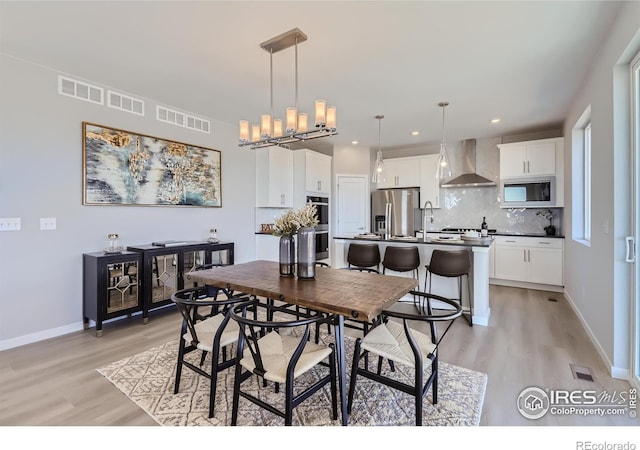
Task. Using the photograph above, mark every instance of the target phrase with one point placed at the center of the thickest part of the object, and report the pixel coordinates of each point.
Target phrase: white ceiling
(520, 61)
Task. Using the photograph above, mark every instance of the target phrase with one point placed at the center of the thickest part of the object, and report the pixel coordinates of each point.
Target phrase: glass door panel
(122, 286)
(164, 277)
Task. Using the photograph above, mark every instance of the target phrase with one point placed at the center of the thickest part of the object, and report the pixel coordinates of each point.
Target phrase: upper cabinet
(311, 175)
(429, 182)
(274, 178)
(535, 158)
(400, 173)
(317, 172)
(531, 158)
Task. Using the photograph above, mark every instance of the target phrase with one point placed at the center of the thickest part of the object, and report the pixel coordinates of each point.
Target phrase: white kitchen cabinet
(274, 178)
(400, 173)
(318, 172)
(429, 183)
(267, 247)
(530, 158)
(529, 260)
(311, 175)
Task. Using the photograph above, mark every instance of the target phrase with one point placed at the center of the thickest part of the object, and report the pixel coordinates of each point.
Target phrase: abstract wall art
(126, 168)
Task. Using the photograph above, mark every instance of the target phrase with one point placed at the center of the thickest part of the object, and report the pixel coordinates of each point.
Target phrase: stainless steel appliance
(533, 192)
(322, 229)
(395, 212)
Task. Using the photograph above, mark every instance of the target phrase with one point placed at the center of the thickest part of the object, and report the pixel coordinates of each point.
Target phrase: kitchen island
(446, 287)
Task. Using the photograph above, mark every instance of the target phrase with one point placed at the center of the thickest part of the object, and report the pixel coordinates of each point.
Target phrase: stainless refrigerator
(395, 212)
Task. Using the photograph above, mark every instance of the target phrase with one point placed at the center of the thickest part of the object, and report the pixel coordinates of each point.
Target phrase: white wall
(597, 279)
(41, 176)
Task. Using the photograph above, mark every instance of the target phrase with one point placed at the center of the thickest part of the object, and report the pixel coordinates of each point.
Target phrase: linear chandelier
(270, 131)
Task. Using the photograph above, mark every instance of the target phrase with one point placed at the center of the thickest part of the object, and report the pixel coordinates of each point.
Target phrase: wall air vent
(164, 114)
(80, 90)
(123, 102)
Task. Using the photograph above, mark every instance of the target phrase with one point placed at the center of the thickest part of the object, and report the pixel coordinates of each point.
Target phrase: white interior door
(353, 205)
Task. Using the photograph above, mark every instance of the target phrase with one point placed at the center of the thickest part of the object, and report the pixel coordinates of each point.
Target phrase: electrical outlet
(10, 224)
(48, 223)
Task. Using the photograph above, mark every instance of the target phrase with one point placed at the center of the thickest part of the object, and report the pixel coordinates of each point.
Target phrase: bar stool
(363, 256)
(451, 264)
(401, 259)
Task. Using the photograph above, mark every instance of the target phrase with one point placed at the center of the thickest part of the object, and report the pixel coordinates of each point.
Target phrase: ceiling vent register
(80, 90)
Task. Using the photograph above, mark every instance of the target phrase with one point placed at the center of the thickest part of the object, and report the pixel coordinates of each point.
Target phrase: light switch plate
(10, 224)
(48, 223)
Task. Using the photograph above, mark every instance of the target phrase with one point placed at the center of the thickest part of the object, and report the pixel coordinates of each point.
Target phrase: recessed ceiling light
(496, 120)
(354, 142)
(415, 133)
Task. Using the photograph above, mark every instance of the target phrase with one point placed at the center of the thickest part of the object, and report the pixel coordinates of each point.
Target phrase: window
(581, 179)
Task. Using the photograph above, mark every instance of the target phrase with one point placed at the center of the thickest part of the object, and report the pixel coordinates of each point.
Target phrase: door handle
(524, 167)
(524, 255)
(528, 166)
(631, 249)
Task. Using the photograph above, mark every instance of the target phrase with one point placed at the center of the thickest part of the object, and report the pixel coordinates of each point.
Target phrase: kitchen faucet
(424, 219)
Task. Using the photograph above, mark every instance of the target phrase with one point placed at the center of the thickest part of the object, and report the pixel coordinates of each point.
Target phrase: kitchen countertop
(508, 233)
(478, 242)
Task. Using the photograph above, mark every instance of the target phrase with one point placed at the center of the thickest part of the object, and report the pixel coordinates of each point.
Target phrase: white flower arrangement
(289, 223)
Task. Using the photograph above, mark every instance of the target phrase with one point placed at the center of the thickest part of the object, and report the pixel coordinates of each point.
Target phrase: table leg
(342, 368)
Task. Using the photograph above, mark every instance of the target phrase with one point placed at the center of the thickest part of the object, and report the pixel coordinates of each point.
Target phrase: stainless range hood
(469, 177)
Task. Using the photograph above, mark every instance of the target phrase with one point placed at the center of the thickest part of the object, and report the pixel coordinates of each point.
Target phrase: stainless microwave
(531, 192)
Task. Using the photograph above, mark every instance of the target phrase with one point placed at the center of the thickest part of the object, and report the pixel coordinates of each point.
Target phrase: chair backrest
(189, 300)
(450, 263)
(451, 311)
(401, 259)
(252, 330)
(363, 255)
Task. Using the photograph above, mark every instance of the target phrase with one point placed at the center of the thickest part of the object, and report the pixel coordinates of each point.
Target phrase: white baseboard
(53, 332)
(524, 285)
(40, 336)
(482, 320)
(615, 372)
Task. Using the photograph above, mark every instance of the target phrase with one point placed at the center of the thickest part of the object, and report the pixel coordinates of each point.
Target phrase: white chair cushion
(206, 330)
(276, 352)
(389, 341)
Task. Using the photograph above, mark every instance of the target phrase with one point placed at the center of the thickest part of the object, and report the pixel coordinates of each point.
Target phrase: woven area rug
(148, 378)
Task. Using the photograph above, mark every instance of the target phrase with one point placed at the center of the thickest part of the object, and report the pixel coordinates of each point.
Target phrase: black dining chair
(209, 334)
(280, 352)
(396, 340)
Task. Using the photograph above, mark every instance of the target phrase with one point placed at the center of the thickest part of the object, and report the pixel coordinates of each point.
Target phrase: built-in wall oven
(322, 230)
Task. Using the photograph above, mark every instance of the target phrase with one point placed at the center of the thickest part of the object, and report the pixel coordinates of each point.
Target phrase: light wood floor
(530, 342)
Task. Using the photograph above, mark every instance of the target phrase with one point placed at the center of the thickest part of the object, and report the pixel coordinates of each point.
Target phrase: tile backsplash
(466, 206)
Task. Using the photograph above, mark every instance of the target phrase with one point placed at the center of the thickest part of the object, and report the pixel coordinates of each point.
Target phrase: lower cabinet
(267, 247)
(529, 260)
(164, 268)
(111, 286)
(142, 278)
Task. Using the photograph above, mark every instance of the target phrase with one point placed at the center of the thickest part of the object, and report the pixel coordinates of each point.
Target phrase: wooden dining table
(342, 293)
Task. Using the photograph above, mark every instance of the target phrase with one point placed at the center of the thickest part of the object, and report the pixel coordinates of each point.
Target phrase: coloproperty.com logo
(534, 402)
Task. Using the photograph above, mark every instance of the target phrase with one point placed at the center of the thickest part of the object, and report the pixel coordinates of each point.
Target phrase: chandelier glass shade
(444, 167)
(378, 168)
(295, 128)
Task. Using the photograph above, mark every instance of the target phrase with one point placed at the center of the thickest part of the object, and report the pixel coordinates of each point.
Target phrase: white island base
(446, 287)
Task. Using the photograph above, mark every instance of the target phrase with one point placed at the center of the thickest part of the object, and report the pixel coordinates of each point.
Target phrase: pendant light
(444, 167)
(378, 175)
